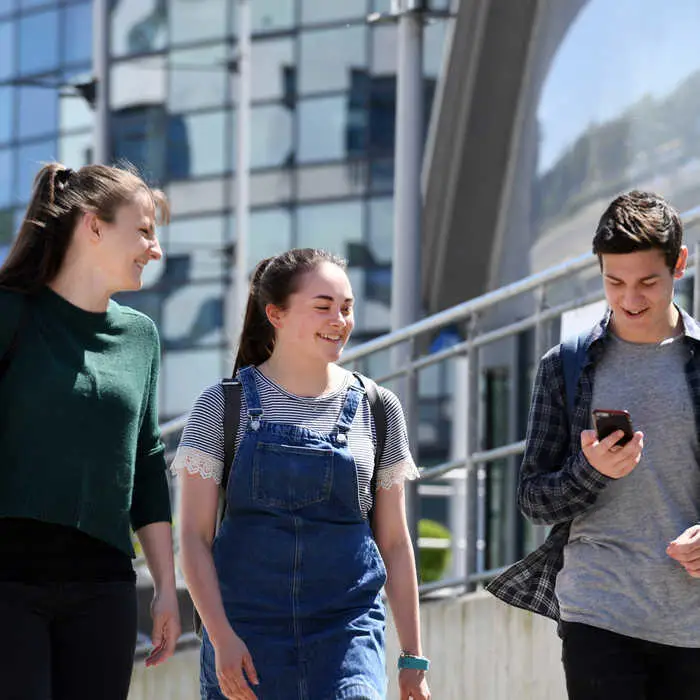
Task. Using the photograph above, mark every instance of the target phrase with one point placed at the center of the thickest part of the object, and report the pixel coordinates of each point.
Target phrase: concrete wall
(480, 648)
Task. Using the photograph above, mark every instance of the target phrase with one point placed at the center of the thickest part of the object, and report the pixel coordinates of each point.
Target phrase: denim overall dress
(298, 568)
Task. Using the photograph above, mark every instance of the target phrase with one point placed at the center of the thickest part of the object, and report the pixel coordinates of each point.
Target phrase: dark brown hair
(274, 280)
(59, 198)
(640, 221)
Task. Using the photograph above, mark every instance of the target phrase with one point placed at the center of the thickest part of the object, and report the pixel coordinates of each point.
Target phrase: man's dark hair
(640, 221)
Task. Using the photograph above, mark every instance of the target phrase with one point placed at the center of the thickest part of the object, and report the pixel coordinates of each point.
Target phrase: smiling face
(318, 318)
(639, 291)
(126, 245)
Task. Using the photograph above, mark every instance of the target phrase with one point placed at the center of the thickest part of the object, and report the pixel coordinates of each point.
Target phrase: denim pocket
(291, 477)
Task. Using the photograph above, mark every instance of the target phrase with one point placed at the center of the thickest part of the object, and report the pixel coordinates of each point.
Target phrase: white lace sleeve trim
(397, 474)
(194, 461)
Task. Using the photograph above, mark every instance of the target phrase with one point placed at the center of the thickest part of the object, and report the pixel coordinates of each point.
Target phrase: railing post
(540, 531)
(472, 432)
(696, 281)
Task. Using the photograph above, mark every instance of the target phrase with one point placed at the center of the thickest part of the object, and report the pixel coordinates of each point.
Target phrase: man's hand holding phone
(609, 458)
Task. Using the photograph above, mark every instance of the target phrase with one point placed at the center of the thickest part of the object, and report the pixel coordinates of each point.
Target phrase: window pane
(201, 231)
(325, 11)
(75, 113)
(138, 136)
(381, 229)
(194, 20)
(330, 226)
(6, 6)
(6, 177)
(433, 44)
(38, 111)
(25, 4)
(7, 50)
(138, 26)
(384, 50)
(76, 150)
(271, 136)
(270, 234)
(7, 105)
(198, 144)
(332, 59)
(272, 15)
(330, 129)
(186, 373)
(273, 70)
(38, 56)
(198, 78)
(77, 43)
(31, 158)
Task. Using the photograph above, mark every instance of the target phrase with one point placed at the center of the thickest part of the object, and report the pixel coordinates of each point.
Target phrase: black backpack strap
(232, 413)
(11, 351)
(573, 359)
(378, 410)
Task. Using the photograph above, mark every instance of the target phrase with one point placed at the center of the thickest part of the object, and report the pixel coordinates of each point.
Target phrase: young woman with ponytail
(289, 588)
(82, 460)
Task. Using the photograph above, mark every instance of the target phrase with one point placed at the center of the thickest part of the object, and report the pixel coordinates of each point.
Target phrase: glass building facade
(322, 143)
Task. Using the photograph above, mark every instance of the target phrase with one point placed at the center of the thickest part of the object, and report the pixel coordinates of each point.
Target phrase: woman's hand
(413, 684)
(166, 627)
(234, 668)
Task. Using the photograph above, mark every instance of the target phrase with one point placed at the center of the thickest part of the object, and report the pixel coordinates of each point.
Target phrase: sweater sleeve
(151, 496)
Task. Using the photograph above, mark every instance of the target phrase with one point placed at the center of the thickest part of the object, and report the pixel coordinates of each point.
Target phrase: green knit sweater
(79, 438)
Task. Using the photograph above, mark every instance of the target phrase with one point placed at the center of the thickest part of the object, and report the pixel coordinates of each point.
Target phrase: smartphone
(607, 421)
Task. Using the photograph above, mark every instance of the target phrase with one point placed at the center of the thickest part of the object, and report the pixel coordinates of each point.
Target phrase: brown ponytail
(59, 198)
(274, 280)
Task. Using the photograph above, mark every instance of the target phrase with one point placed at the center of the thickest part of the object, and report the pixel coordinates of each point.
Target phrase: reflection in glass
(433, 45)
(27, 4)
(384, 49)
(330, 57)
(271, 15)
(270, 234)
(138, 136)
(7, 50)
(30, 159)
(139, 82)
(273, 70)
(7, 105)
(184, 375)
(195, 20)
(138, 26)
(38, 56)
(314, 11)
(7, 172)
(271, 136)
(204, 231)
(6, 6)
(326, 131)
(75, 113)
(77, 41)
(620, 119)
(193, 315)
(381, 175)
(198, 78)
(75, 150)
(38, 111)
(331, 226)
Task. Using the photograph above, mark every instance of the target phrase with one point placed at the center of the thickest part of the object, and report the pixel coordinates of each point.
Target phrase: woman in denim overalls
(289, 590)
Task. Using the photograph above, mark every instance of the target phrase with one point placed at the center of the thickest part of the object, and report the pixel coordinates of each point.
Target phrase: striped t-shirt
(201, 449)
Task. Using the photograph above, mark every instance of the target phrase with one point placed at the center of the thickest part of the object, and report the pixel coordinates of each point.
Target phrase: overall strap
(347, 414)
(246, 376)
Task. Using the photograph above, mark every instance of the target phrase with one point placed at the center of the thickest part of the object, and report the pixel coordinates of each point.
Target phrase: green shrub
(434, 561)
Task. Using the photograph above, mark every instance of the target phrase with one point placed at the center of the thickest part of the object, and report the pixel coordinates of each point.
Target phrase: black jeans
(602, 665)
(67, 641)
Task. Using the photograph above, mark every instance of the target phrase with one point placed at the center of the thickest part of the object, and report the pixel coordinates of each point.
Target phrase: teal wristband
(419, 663)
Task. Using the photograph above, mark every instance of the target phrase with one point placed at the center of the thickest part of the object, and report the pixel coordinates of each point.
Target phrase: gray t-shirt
(616, 573)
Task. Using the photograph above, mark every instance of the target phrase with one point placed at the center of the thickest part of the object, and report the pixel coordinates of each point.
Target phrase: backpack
(573, 359)
(232, 413)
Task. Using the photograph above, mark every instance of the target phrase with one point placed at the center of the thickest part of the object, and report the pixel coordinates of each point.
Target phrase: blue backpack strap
(573, 359)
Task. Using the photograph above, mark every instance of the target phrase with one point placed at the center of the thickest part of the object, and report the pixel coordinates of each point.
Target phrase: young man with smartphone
(620, 569)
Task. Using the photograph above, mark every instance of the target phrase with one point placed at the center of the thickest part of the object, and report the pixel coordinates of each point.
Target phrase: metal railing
(481, 331)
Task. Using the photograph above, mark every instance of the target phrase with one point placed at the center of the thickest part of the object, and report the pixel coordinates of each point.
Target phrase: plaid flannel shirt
(556, 481)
